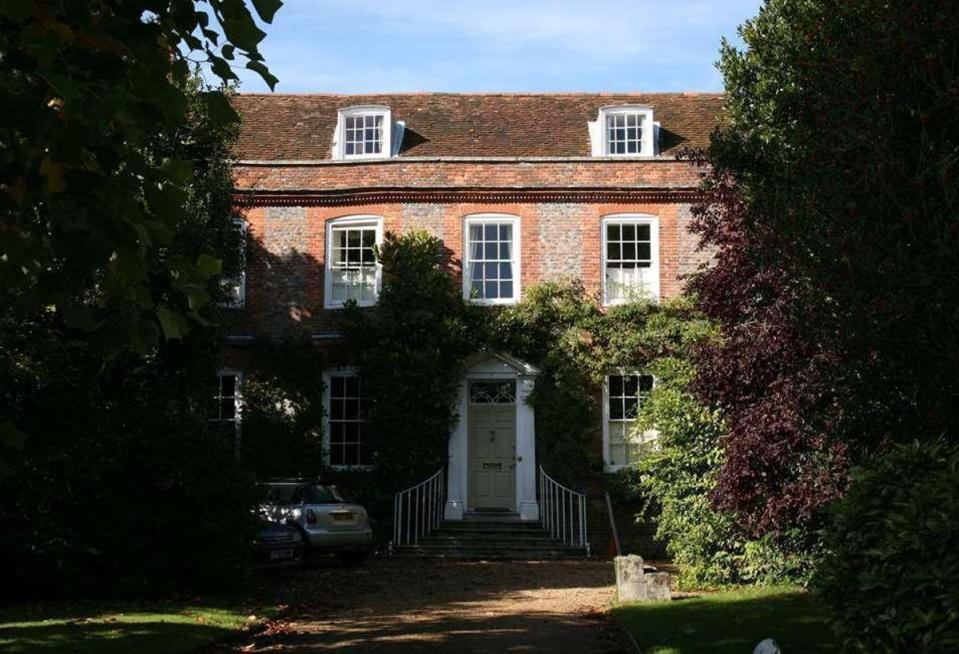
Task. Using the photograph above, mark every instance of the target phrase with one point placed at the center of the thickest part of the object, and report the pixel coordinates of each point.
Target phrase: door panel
(492, 439)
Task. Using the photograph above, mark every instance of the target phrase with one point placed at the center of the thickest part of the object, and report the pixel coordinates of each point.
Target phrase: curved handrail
(563, 511)
(418, 509)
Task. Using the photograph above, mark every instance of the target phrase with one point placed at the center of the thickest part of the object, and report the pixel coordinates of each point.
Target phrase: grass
(134, 628)
(728, 622)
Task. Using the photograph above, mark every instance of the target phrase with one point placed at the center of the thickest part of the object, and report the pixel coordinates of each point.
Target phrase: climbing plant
(410, 351)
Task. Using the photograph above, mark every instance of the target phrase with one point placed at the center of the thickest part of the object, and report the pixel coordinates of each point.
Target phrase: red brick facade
(559, 237)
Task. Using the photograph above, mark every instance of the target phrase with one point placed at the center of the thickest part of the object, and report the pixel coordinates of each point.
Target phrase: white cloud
(348, 45)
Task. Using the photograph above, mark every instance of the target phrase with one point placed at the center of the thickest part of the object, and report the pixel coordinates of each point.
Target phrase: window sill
(618, 303)
(342, 305)
(492, 303)
(611, 468)
(349, 468)
(364, 157)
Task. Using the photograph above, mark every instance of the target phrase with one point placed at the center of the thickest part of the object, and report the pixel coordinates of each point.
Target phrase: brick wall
(285, 269)
(399, 173)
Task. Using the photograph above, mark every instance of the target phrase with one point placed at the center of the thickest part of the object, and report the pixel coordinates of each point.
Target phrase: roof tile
(300, 127)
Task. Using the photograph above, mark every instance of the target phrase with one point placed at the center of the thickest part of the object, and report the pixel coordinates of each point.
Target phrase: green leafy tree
(92, 90)
(117, 476)
(832, 202)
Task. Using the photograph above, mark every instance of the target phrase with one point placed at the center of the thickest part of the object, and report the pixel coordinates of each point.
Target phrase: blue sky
(357, 46)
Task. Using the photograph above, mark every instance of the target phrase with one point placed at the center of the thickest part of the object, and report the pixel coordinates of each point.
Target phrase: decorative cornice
(314, 163)
(261, 198)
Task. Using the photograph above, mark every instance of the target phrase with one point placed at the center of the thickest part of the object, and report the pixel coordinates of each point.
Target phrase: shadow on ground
(408, 605)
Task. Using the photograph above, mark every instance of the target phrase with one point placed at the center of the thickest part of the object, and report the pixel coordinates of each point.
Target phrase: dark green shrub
(891, 572)
(283, 409)
(120, 486)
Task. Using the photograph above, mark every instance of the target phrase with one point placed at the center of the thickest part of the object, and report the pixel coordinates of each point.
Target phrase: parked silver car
(328, 520)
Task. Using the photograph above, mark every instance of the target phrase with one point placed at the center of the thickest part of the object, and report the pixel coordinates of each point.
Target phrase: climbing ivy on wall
(410, 351)
(560, 328)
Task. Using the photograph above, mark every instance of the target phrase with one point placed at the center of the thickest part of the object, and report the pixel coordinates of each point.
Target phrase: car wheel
(354, 558)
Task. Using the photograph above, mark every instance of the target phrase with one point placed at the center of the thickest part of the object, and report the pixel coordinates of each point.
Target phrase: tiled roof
(300, 127)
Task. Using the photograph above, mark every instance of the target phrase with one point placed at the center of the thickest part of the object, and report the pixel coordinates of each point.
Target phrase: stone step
(487, 527)
(475, 553)
(442, 537)
(491, 539)
(446, 543)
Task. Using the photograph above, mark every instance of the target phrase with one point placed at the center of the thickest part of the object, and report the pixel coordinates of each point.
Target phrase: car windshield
(323, 495)
(285, 494)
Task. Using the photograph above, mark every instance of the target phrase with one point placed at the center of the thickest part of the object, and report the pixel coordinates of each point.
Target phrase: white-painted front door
(492, 456)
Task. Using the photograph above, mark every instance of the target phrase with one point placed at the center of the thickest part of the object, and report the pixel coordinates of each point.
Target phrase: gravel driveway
(410, 605)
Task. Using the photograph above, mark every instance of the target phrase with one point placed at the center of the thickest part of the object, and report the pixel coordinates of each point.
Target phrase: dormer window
(624, 131)
(364, 132)
(364, 135)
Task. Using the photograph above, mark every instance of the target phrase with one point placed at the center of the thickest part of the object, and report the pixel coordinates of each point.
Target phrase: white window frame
(484, 219)
(600, 135)
(237, 404)
(339, 138)
(238, 282)
(349, 221)
(632, 219)
(328, 374)
(653, 434)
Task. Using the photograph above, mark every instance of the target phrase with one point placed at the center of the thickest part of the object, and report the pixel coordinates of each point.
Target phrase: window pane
(506, 289)
(476, 232)
(336, 408)
(505, 271)
(489, 232)
(351, 409)
(227, 385)
(615, 385)
(490, 290)
(630, 385)
(351, 386)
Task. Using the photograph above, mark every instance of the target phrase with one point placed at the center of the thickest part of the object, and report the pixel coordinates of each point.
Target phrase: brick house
(522, 188)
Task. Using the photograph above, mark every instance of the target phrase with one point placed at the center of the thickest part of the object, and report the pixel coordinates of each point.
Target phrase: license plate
(342, 517)
(281, 554)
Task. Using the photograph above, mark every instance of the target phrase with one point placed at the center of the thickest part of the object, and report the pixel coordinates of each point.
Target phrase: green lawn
(134, 628)
(730, 622)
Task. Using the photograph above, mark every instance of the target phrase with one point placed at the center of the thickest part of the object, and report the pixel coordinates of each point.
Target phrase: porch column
(457, 471)
(528, 506)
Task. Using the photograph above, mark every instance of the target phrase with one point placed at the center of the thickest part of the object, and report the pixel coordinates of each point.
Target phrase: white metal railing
(418, 510)
(563, 511)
